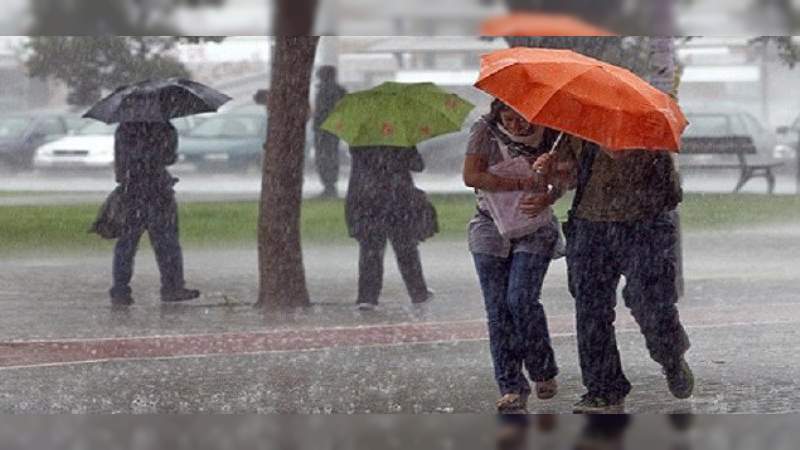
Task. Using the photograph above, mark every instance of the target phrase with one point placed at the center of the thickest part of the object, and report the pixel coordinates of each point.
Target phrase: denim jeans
(161, 223)
(518, 333)
(598, 255)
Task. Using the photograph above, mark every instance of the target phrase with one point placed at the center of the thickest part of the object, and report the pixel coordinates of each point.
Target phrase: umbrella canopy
(397, 115)
(157, 101)
(584, 97)
(535, 24)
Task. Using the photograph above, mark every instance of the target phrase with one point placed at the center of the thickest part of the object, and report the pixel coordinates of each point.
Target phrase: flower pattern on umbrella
(397, 115)
(388, 129)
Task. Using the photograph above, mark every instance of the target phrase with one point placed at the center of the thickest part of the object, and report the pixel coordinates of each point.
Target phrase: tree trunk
(282, 275)
(663, 75)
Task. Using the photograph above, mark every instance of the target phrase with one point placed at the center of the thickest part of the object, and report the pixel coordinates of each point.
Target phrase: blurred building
(732, 72)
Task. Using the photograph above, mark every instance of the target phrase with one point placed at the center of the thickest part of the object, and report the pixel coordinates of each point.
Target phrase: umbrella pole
(553, 149)
(556, 143)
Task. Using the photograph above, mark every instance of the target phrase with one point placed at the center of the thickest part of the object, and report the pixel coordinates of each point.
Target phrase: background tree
(90, 65)
(96, 46)
(282, 281)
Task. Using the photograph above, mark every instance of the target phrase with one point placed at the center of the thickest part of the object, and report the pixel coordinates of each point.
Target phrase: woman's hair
(498, 107)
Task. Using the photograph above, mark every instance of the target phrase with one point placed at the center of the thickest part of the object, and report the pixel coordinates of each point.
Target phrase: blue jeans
(161, 223)
(518, 334)
(598, 255)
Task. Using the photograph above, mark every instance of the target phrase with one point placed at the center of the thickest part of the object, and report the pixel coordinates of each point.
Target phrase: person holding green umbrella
(383, 126)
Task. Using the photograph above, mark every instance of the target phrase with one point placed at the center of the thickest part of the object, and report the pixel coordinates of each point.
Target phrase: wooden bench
(740, 147)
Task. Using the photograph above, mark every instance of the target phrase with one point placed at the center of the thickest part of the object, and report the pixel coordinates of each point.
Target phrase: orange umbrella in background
(535, 24)
(585, 97)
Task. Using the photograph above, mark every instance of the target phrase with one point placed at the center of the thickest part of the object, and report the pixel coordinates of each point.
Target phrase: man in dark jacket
(622, 224)
(383, 205)
(326, 145)
(142, 152)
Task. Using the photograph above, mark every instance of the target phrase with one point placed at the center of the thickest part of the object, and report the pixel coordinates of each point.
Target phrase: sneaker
(179, 295)
(429, 296)
(366, 306)
(512, 404)
(680, 380)
(591, 404)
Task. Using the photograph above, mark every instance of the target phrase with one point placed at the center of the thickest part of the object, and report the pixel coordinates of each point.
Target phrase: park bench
(742, 153)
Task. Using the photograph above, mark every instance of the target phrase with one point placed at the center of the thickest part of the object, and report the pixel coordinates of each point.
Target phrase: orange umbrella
(530, 24)
(584, 97)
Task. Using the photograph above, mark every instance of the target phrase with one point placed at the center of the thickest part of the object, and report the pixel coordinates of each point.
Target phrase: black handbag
(428, 223)
(111, 220)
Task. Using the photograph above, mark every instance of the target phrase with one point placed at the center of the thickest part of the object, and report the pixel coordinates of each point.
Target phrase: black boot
(121, 300)
(121, 297)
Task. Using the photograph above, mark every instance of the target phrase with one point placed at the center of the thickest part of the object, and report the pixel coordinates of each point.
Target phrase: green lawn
(31, 228)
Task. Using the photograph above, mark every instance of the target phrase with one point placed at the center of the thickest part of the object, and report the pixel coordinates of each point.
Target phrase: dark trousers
(326, 157)
(598, 254)
(518, 332)
(162, 227)
(370, 267)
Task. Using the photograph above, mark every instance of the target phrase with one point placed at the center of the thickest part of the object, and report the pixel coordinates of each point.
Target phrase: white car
(90, 147)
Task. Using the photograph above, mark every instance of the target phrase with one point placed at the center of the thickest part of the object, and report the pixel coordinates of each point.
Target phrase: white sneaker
(366, 306)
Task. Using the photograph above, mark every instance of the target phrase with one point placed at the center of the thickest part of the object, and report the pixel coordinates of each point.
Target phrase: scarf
(531, 146)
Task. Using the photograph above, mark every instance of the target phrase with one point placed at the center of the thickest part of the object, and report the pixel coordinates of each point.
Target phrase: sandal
(546, 390)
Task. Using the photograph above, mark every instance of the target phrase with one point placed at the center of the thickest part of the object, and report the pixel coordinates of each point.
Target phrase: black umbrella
(157, 101)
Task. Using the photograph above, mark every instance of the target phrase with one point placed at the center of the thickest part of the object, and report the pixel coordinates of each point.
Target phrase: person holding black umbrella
(145, 145)
(142, 153)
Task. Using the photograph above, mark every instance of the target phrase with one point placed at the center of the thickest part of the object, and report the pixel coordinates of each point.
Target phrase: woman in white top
(511, 271)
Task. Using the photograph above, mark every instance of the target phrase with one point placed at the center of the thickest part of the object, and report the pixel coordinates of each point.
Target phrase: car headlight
(783, 151)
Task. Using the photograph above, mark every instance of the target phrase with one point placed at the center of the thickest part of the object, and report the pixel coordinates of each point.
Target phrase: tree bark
(282, 275)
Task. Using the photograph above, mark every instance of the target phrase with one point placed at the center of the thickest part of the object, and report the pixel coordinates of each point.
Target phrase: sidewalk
(59, 354)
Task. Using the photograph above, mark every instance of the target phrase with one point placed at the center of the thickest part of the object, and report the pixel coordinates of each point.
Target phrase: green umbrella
(397, 114)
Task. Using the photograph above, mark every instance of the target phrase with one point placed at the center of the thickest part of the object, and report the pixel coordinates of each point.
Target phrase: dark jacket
(142, 152)
(382, 198)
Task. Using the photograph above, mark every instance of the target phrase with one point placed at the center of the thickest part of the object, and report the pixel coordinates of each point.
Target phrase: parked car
(234, 141)
(705, 121)
(22, 134)
(90, 147)
(227, 140)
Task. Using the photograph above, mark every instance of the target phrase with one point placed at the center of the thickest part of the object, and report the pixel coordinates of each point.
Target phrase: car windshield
(11, 127)
(94, 127)
(229, 127)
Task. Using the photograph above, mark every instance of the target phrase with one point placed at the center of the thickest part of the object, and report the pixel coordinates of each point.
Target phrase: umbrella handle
(554, 147)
